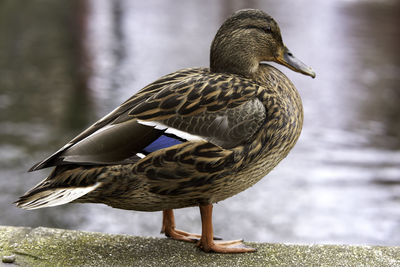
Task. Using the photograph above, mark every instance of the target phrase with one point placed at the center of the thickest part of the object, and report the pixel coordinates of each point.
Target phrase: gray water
(340, 184)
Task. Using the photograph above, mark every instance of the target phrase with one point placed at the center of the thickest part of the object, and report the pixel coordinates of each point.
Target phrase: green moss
(57, 247)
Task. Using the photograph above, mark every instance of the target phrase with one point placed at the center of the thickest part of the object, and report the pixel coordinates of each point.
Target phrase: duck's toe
(232, 246)
(168, 228)
(181, 235)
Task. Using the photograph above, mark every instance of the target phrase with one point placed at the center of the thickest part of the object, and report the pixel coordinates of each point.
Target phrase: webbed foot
(233, 246)
(168, 228)
(207, 242)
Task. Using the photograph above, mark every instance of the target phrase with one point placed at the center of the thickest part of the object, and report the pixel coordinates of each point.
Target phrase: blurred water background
(64, 64)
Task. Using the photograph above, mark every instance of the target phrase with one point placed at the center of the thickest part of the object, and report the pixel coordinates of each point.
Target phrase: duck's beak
(287, 59)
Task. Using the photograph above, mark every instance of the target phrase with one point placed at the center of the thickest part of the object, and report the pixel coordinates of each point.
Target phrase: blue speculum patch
(162, 142)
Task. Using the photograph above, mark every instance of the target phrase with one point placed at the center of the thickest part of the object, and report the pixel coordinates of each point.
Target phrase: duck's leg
(207, 242)
(168, 228)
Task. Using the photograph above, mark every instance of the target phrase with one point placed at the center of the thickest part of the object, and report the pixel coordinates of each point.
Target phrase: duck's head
(246, 39)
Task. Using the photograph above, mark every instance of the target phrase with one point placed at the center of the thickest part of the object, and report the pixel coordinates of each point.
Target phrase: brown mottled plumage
(192, 138)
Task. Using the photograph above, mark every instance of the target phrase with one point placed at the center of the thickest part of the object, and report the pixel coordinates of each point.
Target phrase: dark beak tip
(309, 72)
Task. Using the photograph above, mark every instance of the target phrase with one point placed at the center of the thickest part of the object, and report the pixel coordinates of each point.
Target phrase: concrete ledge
(57, 247)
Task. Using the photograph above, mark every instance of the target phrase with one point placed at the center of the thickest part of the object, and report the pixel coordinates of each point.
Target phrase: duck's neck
(228, 56)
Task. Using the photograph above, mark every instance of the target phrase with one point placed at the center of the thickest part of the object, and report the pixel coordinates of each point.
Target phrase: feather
(163, 141)
(169, 130)
(54, 197)
(140, 155)
(115, 117)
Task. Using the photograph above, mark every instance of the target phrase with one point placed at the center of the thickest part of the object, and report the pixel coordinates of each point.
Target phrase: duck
(191, 138)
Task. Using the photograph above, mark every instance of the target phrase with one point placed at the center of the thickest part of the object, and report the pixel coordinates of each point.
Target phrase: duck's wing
(218, 108)
(221, 109)
(105, 150)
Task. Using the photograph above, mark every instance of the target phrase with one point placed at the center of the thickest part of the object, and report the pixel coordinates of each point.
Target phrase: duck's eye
(268, 29)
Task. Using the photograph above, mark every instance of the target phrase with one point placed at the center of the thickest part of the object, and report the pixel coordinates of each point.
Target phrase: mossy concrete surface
(22, 246)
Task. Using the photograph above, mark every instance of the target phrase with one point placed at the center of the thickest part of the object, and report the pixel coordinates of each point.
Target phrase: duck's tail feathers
(52, 197)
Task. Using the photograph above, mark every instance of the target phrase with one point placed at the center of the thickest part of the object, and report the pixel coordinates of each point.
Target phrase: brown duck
(191, 138)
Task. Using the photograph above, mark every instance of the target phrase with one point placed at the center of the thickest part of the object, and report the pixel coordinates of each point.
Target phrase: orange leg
(207, 242)
(168, 228)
